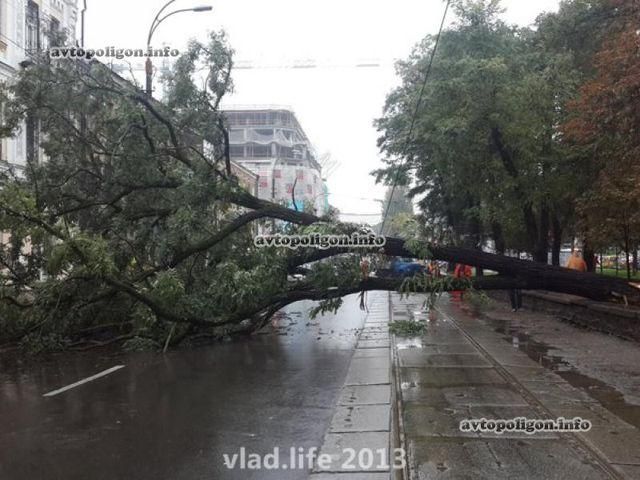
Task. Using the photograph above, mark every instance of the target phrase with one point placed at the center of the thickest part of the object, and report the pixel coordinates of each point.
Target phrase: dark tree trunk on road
(543, 276)
(546, 277)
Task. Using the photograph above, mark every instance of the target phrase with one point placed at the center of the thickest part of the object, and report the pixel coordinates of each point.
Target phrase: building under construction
(270, 142)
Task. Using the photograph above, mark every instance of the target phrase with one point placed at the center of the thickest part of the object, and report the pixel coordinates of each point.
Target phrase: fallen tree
(132, 227)
(538, 276)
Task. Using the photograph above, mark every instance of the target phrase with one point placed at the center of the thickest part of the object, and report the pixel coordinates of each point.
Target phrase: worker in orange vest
(461, 271)
(576, 262)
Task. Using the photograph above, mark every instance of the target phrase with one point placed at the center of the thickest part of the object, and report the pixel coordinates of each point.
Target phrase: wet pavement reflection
(576, 356)
(173, 416)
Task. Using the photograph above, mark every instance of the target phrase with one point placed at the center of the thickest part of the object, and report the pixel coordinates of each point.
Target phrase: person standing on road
(515, 295)
(365, 267)
(576, 262)
(461, 271)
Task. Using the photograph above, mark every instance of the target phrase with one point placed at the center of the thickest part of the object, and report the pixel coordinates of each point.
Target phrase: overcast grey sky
(335, 102)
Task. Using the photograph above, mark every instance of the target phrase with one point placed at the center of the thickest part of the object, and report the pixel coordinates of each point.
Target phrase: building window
(236, 135)
(2, 7)
(298, 152)
(258, 151)
(3, 150)
(54, 32)
(264, 132)
(286, 152)
(277, 173)
(33, 27)
(236, 151)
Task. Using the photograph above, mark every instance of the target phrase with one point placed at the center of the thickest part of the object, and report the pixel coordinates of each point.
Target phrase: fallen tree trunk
(543, 276)
(496, 282)
(537, 276)
(303, 291)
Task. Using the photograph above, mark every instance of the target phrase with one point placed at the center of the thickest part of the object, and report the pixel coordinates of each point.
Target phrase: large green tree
(131, 225)
(485, 153)
(603, 127)
(397, 209)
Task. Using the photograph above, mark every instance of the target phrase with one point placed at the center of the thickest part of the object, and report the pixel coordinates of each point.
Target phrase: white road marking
(86, 380)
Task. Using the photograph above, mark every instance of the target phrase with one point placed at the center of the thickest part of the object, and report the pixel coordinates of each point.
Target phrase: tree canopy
(604, 126)
(489, 159)
(127, 224)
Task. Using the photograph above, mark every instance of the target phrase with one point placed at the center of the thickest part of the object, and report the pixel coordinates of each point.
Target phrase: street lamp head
(154, 25)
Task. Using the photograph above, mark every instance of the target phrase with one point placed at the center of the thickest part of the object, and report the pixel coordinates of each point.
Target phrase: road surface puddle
(605, 394)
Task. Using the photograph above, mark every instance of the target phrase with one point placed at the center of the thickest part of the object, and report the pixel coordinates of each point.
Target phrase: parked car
(406, 267)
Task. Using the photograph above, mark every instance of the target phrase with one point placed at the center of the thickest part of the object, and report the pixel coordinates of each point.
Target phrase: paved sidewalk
(362, 419)
(460, 370)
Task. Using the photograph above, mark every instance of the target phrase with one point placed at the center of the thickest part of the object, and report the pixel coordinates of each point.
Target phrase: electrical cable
(415, 113)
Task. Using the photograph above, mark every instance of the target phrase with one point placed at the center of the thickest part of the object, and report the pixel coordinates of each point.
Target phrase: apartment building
(271, 143)
(26, 27)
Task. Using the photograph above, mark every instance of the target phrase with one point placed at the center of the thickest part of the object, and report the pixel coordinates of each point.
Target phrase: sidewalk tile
(336, 445)
(464, 395)
(361, 418)
(449, 376)
(419, 358)
(365, 395)
(496, 459)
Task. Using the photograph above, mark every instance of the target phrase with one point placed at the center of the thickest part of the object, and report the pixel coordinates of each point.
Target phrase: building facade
(246, 178)
(271, 143)
(26, 27)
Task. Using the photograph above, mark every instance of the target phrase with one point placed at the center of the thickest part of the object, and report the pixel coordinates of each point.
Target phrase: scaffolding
(271, 143)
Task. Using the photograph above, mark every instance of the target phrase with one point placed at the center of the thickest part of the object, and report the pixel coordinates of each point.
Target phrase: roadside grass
(622, 273)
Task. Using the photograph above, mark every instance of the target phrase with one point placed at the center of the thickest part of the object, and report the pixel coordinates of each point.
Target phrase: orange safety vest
(577, 263)
(462, 271)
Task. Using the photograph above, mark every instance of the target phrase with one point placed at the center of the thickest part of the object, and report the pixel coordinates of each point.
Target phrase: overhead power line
(415, 113)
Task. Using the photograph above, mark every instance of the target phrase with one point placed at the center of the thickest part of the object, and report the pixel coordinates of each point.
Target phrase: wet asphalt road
(174, 416)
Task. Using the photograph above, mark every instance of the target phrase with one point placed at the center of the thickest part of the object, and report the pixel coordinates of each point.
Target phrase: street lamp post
(154, 25)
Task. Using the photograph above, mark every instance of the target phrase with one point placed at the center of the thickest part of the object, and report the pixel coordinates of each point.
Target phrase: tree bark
(498, 238)
(541, 251)
(556, 246)
(545, 277)
(627, 248)
(528, 214)
(589, 257)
